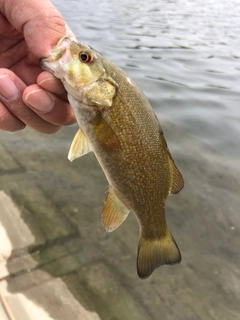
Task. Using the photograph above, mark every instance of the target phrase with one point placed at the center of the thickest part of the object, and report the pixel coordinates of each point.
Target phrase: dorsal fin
(80, 146)
(177, 179)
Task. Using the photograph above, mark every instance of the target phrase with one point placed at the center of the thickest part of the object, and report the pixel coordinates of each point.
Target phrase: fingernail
(8, 89)
(39, 100)
(52, 83)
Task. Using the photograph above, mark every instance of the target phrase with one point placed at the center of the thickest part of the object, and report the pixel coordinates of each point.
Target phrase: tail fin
(154, 253)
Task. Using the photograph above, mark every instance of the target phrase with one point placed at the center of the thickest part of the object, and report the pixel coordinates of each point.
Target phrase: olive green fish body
(119, 125)
(139, 163)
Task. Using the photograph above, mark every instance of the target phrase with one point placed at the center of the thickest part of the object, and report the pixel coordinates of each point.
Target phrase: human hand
(30, 96)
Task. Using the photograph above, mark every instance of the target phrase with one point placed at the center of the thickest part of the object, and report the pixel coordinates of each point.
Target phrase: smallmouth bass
(118, 124)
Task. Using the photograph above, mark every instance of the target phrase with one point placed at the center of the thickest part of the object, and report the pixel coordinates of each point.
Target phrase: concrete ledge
(40, 296)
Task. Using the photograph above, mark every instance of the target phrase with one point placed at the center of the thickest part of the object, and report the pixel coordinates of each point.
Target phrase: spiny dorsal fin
(177, 179)
(80, 146)
(114, 211)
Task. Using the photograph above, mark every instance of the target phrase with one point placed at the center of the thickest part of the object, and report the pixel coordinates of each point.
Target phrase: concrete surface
(45, 292)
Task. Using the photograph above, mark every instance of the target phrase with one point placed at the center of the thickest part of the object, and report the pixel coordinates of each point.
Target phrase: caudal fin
(154, 253)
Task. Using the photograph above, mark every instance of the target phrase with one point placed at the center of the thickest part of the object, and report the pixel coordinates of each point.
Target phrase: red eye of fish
(85, 57)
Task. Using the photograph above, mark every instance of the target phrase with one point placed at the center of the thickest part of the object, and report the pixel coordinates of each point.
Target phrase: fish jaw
(57, 57)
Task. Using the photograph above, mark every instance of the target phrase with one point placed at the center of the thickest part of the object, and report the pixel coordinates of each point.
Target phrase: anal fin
(114, 211)
(80, 146)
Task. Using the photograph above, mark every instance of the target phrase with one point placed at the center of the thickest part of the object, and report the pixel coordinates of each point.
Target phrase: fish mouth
(49, 63)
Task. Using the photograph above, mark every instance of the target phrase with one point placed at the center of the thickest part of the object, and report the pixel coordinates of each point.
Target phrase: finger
(69, 33)
(47, 81)
(48, 106)
(40, 22)
(8, 121)
(11, 88)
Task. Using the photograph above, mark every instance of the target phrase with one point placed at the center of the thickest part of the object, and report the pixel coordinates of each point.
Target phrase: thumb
(39, 21)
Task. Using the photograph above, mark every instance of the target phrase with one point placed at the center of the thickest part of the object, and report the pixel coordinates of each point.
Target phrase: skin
(30, 96)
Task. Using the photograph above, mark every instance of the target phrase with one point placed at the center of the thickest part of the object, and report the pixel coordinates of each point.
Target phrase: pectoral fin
(104, 134)
(114, 211)
(80, 146)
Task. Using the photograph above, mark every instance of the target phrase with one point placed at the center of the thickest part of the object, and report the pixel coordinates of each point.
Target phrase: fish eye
(85, 57)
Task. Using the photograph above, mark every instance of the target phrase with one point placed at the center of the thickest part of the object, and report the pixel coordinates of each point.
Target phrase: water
(185, 55)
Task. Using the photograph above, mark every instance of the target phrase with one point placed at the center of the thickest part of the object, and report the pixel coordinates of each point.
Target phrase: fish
(117, 123)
